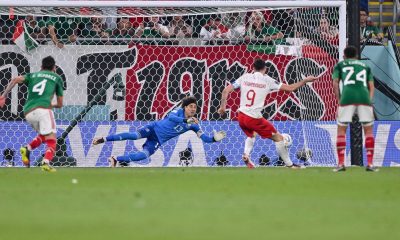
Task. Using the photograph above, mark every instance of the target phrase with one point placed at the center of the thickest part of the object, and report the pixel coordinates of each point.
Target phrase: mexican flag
(22, 38)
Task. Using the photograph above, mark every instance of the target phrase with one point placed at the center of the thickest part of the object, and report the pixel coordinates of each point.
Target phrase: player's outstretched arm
(293, 87)
(225, 93)
(217, 136)
(10, 86)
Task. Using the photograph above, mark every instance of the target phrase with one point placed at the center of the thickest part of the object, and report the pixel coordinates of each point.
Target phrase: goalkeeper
(176, 123)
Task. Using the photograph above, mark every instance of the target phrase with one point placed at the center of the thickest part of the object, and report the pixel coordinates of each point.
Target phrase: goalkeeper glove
(189, 120)
(218, 136)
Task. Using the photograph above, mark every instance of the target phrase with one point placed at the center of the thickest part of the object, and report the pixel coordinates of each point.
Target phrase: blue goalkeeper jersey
(173, 125)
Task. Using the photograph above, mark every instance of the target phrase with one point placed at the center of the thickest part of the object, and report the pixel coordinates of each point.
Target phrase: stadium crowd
(269, 27)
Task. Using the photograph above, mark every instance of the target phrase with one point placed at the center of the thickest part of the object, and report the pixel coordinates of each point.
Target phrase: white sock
(283, 153)
(248, 145)
(46, 161)
(29, 147)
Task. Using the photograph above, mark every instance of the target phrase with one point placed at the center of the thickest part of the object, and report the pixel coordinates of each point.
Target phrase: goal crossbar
(55, 3)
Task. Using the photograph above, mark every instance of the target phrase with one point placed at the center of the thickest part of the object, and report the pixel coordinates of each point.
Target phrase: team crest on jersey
(178, 128)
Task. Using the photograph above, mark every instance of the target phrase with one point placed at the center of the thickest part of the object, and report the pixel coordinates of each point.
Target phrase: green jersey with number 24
(354, 76)
(42, 86)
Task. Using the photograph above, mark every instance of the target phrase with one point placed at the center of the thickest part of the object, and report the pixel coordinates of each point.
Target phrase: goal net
(125, 64)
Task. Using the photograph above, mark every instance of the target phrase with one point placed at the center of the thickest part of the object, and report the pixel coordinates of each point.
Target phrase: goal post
(172, 4)
(127, 63)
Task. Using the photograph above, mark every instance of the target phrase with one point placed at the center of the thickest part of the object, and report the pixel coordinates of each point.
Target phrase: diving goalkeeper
(176, 123)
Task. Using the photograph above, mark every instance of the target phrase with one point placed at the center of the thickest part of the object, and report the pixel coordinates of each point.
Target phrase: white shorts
(42, 120)
(346, 113)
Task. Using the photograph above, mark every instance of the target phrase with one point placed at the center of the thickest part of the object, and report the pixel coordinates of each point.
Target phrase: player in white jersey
(254, 88)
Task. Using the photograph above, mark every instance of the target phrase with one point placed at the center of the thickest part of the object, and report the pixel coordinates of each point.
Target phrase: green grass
(199, 203)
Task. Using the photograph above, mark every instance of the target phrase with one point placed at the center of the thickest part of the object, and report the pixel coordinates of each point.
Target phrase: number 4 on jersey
(39, 87)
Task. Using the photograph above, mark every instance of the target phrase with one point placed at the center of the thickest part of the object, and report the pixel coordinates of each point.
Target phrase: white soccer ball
(287, 140)
(304, 154)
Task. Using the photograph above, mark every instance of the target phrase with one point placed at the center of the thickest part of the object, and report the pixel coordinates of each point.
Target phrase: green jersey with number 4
(354, 76)
(42, 86)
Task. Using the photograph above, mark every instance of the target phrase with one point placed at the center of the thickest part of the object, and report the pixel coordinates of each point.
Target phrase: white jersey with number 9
(254, 87)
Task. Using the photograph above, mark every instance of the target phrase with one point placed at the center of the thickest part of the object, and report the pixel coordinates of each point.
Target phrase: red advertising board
(163, 75)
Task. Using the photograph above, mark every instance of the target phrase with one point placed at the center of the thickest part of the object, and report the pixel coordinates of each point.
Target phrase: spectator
(178, 28)
(327, 32)
(94, 29)
(64, 30)
(260, 32)
(306, 20)
(197, 22)
(124, 30)
(368, 28)
(164, 20)
(284, 19)
(153, 29)
(364, 4)
(235, 23)
(37, 29)
(212, 32)
(127, 11)
(267, 14)
(136, 21)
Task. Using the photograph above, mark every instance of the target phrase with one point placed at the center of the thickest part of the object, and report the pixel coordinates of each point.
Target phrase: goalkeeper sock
(248, 145)
(369, 145)
(51, 148)
(35, 142)
(123, 136)
(341, 148)
(283, 153)
(137, 156)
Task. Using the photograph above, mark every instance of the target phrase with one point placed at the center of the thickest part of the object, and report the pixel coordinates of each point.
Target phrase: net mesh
(123, 11)
(125, 67)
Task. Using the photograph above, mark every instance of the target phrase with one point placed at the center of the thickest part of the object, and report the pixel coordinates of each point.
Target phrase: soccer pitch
(199, 203)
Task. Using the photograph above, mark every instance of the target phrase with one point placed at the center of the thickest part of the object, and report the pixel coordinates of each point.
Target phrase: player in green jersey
(42, 86)
(357, 90)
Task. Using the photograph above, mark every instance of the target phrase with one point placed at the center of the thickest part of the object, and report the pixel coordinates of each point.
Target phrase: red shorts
(261, 126)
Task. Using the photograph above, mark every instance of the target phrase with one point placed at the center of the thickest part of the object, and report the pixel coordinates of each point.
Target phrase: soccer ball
(304, 154)
(287, 139)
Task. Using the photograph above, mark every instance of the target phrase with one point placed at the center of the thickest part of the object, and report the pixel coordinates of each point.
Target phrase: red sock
(369, 145)
(341, 148)
(39, 139)
(51, 148)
